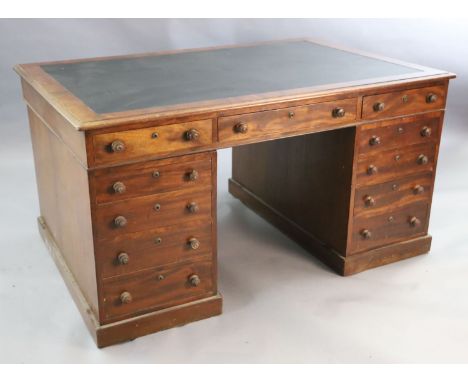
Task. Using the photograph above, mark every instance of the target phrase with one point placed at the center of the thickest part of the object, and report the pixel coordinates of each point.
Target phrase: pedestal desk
(336, 148)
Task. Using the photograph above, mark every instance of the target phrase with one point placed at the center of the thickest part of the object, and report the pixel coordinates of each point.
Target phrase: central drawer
(314, 117)
(148, 212)
(148, 290)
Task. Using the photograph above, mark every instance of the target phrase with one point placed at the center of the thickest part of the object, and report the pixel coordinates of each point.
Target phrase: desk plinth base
(129, 329)
(344, 265)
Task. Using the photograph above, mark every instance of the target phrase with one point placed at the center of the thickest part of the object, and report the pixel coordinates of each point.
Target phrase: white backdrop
(281, 305)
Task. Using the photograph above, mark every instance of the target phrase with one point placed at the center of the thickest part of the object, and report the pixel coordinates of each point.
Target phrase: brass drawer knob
(117, 146)
(125, 298)
(193, 175)
(192, 135)
(375, 140)
(338, 112)
(156, 174)
(371, 170)
(423, 159)
(241, 128)
(369, 201)
(123, 258)
(194, 280)
(379, 106)
(426, 131)
(414, 221)
(119, 187)
(418, 189)
(431, 98)
(157, 207)
(194, 243)
(366, 234)
(120, 221)
(158, 240)
(291, 115)
(193, 207)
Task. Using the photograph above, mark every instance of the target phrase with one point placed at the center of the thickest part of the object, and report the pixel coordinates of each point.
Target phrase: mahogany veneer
(336, 148)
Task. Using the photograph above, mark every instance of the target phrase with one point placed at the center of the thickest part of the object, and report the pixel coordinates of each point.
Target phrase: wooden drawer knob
(194, 280)
(117, 146)
(423, 159)
(426, 131)
(123, 258)
(120, 221)
(414, 221)
(418, 189)
(241, 128)
(192, 135)
(125, 298)
(366, 234)
(338, 112)
(193, 207)
(194, 243)
(374, 141)
(431, 98)
(369, 201)
(371, 170)
(119, 187)
(192, 175)
(379, 106)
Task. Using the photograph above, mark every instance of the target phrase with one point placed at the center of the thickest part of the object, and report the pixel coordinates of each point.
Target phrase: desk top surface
(156, 82)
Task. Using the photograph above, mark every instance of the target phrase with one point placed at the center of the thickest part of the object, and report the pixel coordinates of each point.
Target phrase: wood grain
(390, 226)
(398, 132)
(396, 193)
(65, 205)
(394, 163)
(403, 102)
(140, 179)
(304, 118)
(140, 143)
(141, 213)
(306, 179)
(155, 247)
(156, 289)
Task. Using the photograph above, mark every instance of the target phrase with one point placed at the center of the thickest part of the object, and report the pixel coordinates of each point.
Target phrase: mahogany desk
(337, 149)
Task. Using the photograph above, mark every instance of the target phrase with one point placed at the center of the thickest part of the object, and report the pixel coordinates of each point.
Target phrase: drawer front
(148, 290)
(403, 102)
(124, 182)
(397, 133)
(389, 227)
(396, 193)
(141, 143)
(390, 164)
(141, 250)
(289, 120)
(148, 212)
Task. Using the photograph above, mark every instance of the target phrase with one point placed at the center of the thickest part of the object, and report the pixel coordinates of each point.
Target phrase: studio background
(280, 304)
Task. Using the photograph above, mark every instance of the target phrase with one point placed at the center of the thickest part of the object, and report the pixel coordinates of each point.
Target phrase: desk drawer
(124, 182)
(399, 192)
(282, 121)
(148, 249)
(148, 212)
(403, 102)
(391, 164)
(391, 134)
(141, 143)
(144, 291)
(390, 226)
